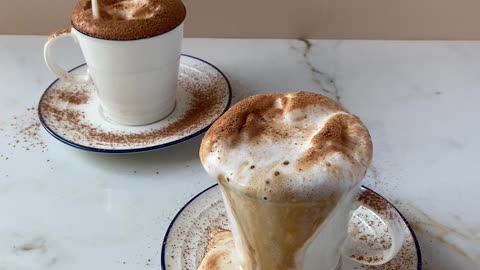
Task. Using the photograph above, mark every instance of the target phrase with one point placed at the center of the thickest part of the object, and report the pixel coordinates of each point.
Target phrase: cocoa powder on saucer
(203, 104)
(76, 98)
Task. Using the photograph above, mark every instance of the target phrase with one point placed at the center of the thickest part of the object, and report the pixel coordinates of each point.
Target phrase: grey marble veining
(62, 208)
(325, 81)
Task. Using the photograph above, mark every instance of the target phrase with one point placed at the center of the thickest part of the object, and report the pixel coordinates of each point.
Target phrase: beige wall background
(322, 19)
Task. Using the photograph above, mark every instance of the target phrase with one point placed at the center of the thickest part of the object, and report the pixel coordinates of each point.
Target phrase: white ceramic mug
(136, 80)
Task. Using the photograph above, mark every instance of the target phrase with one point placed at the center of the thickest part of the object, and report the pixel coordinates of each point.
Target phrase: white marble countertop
(62, 208)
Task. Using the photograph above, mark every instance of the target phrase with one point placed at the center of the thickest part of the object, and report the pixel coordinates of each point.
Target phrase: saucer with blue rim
(189, 233)
(71, 112)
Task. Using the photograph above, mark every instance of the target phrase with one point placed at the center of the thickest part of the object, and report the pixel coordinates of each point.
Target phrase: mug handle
(387, 242)
(54, 67)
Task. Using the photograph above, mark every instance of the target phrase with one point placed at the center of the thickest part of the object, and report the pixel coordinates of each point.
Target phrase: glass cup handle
(54, 67)
(388, 235)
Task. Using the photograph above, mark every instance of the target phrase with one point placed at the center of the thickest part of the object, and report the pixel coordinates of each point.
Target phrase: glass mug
(275, 222)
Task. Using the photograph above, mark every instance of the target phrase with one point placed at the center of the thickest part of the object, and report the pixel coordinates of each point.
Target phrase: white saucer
(186, 238)
(71, 113)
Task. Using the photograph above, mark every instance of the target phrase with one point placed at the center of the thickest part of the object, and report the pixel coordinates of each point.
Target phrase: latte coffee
(286, 164)
(128, 19)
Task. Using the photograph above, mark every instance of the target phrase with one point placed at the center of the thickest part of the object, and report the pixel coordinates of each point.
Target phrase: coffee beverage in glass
(289, 167)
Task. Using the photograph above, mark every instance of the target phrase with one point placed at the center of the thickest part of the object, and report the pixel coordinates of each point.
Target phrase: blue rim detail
(135, 150)
(167, 233)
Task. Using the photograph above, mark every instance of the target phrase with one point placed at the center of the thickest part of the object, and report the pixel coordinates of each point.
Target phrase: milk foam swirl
(287, 147)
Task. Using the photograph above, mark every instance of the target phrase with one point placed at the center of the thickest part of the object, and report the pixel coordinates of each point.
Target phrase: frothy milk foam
(130, 9)
(284, 161)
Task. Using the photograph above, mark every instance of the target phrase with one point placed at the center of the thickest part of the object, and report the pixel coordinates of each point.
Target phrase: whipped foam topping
(130, 9)
(287, 147)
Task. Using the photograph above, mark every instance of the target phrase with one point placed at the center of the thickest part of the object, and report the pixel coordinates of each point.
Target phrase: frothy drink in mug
(128, 19)
(132, 49)
(288, 165)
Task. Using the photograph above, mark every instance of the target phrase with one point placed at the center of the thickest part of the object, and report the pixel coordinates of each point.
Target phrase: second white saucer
(188, 235)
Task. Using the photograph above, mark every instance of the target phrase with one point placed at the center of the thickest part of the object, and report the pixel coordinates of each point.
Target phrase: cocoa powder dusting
(76, 98)
(59, 33)
(254, 115)
(374, 201)
(166, 16)
(26, 131)
(261, 115)
(204, 102)
(406, 259)
(343, 133)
